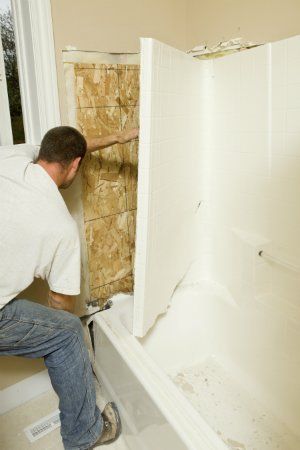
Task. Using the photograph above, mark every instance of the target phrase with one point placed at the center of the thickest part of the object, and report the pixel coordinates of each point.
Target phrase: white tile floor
(12, 424)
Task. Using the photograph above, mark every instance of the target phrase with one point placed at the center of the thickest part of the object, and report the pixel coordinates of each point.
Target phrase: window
(34, 44)
(9, 71)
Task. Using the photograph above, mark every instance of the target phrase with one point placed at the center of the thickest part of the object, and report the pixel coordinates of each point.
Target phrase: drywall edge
(88, 57)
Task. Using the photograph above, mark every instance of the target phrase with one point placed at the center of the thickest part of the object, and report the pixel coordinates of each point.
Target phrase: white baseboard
(24, 391)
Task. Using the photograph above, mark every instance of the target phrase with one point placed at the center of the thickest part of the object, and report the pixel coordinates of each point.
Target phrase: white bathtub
(209, 375)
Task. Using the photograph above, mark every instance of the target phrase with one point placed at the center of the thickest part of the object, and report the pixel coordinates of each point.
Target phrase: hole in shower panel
(107, 101)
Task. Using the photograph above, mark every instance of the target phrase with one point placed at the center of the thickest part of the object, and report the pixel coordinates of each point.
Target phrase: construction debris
(202, 51)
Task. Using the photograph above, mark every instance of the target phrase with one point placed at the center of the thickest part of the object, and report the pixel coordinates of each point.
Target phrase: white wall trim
(37, 67)
(24, 391)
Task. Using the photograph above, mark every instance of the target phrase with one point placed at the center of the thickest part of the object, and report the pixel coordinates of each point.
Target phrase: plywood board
(129, 85)
(108, 249)
(107, 101)
(130, 159)
(103, 181)
(96, 87)
(103, 293)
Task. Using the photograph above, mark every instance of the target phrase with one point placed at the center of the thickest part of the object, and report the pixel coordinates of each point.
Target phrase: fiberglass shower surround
(224, 135)
(218, 181)
(219, 165)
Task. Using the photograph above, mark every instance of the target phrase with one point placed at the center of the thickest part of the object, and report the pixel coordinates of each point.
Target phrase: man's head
(61, 153)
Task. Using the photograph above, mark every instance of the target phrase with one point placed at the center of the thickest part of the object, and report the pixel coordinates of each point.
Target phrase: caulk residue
(239, 419)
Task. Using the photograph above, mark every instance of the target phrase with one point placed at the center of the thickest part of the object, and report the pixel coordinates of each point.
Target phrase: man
(39, 238)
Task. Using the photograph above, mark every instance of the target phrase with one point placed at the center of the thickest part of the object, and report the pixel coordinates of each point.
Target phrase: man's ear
(76, 163)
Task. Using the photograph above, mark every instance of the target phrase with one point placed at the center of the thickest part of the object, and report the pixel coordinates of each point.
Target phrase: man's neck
(53, 170)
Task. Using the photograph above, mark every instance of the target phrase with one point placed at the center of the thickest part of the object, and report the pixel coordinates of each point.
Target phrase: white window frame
(37, 67)
(6, 137)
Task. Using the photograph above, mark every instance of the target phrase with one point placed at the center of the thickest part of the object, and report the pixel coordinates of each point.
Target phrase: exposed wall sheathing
(107, 101)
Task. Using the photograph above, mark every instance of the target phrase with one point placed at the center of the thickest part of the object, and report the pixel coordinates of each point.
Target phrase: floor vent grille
(43, 426)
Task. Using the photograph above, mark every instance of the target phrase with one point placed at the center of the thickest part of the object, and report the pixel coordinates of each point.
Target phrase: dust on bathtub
(235, 445)
(185, 386)
(232, 443)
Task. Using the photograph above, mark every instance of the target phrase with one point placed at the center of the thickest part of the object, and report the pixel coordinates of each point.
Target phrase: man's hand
(127, 136)
(99, 143)
(61, 301)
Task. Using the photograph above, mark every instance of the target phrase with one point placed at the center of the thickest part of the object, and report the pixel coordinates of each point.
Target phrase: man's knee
(73, 323)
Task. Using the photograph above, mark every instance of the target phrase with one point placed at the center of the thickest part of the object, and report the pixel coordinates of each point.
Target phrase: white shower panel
(254, 205)
(168, 194)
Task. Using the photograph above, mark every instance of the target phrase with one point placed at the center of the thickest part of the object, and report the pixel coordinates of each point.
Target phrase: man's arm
(61, 301)
(99, 143)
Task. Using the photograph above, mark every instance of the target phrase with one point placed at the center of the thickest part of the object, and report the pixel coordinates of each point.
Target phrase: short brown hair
(62, 145)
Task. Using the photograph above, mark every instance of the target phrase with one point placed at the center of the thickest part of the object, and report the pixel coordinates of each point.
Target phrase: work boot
(111, 425)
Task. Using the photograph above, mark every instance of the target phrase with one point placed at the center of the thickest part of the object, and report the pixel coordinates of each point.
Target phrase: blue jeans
(34, 331)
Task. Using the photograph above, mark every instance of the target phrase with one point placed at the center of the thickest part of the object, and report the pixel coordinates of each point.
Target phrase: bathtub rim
(193, 430)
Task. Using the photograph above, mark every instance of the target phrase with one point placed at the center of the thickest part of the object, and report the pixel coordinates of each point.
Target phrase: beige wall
(257, 20)
(12, 368)
(15, 369)
(114, 26)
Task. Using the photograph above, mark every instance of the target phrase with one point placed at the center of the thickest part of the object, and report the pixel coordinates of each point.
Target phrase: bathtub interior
(225, 362)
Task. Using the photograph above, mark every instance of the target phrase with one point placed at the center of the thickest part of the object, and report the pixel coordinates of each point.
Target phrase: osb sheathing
(107, 101)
